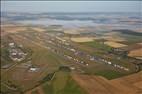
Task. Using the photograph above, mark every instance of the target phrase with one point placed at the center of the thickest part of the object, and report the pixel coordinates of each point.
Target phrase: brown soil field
(13, 28)
(138, 84)
(113, 38)
(135, 50)
(98, 85)
(115, 44)
(135, 53)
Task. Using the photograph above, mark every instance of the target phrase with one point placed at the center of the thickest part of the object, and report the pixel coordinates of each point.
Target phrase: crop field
(38, 29)
(82, 39)
(13, 28)
(72, 31)
(114, 44)
(62, 84)
(99, 85)
(113, 36)
(96, 45)
(135, 53)
(109, 74)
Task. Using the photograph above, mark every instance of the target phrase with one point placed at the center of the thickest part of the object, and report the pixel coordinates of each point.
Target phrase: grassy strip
(109, 74)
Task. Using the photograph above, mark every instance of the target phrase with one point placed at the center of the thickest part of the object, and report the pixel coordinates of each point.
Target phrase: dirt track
(98, 85)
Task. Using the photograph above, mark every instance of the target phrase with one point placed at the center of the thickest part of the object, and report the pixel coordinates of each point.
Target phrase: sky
(71, 6)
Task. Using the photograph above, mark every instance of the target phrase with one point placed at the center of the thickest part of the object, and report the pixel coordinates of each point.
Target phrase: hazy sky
(72, 6)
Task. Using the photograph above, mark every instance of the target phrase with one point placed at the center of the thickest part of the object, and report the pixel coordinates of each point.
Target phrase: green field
(109, 74)
(97, 45)
(62, 84)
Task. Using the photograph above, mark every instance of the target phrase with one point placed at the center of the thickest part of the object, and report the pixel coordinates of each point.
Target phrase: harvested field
(135, 53)
(138, 84)
(115, 44)
(99, 85)
(113, 36)
(71, 31)
(82, 39)
(13, 29)
(38, 29)
(94, 84)
(75, 30)
(132, 83)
